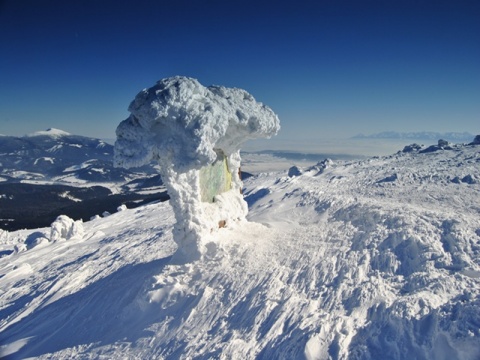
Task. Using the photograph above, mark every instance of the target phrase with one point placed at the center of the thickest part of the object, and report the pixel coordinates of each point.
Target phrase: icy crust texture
(195, 219)
(184, 126)
(64, 228)
(180, 123)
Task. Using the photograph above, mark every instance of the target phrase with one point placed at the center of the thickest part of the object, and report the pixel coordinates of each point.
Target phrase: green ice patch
(215, 178)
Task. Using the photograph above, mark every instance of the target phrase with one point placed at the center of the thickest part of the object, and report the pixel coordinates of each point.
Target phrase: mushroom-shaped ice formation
(195, 134)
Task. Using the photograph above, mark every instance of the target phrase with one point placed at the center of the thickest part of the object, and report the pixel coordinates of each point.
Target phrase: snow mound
(294, 171)
(412, 147)
(476, 140)
(65, 228)
(442, 145)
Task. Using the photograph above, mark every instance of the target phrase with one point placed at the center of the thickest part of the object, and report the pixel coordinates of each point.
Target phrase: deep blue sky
(327, 68)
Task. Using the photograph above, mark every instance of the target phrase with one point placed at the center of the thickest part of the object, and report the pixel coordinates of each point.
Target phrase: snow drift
(185, 126)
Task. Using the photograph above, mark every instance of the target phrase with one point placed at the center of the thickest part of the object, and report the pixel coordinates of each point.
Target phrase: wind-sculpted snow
(64, 228)
(333, 264)
(185, 126)
(180, 123)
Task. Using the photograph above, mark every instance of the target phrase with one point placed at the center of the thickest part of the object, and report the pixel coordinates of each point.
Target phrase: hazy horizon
(345, 148)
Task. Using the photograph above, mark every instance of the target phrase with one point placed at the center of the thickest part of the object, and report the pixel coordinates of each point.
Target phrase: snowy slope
(372, 259)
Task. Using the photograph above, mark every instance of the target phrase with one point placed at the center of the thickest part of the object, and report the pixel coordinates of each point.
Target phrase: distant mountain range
(59, 156)
(423, 135)
(52, 172)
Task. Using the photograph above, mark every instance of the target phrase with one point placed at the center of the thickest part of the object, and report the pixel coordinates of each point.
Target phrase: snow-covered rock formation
(65, 228)
(185, 127)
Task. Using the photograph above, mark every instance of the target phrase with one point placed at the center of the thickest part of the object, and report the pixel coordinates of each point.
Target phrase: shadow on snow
(94, 314)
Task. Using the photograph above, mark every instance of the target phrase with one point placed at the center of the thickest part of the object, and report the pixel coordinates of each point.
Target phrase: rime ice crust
(183, 125)
(179, 123)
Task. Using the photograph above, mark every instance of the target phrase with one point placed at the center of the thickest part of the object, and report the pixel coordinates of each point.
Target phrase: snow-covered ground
(371, 259)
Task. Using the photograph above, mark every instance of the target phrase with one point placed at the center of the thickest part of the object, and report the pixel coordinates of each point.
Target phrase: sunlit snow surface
(374, 259)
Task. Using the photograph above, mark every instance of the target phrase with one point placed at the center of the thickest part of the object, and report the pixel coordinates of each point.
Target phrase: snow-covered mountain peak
(50, 132)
